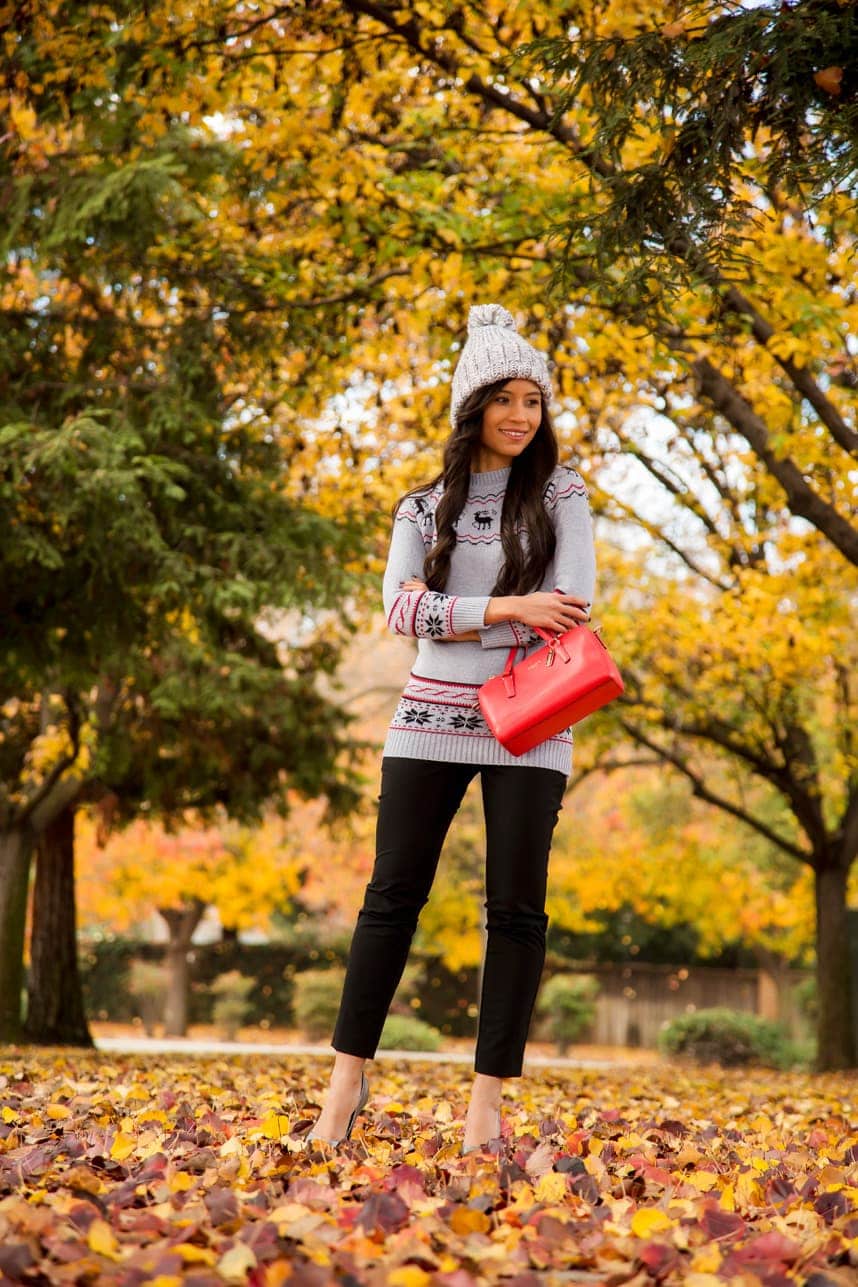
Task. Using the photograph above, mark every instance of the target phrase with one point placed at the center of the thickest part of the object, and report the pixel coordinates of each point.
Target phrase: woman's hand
(548, 609)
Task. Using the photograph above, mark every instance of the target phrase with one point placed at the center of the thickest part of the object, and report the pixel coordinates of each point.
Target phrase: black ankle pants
(418, 801)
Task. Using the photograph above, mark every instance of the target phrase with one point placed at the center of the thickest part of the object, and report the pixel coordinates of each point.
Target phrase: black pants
(418, 801)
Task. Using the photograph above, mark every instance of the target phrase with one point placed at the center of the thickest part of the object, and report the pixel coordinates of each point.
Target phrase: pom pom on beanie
(493, 351)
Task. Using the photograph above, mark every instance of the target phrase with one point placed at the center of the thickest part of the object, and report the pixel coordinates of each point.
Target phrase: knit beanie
(494, 350)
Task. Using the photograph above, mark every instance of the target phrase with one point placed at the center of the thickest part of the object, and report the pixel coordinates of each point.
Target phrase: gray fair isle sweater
(438, 717)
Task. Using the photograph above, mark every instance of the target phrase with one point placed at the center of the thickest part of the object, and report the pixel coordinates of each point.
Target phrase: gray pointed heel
(358, 1109)
(475, 1148)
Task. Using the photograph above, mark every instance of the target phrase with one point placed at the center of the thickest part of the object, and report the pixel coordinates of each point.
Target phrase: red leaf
(14, 1259)
(671, 1127)
(385, 1212)
(408, 1182)
(771, 1246)
(832, 1205)
(222, 1205)
(552, 1231)
(659, 1259)
(311, 1193)
(721, 1224)
(779, 1189)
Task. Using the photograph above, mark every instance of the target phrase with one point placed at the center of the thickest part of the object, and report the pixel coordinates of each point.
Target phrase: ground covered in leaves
(171, 1170)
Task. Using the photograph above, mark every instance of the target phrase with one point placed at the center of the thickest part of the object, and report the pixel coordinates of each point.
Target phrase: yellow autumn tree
(247, 874)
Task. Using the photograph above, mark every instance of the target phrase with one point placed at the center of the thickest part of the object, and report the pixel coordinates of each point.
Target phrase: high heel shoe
(358, 1109)
(475, 1148)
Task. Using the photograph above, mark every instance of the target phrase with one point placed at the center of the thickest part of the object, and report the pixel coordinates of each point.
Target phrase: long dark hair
(523, 506)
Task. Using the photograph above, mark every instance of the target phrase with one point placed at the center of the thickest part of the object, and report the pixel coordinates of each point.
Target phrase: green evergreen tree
(149, 530)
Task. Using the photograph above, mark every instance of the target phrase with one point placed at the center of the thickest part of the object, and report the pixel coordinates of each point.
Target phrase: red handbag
(572, 676)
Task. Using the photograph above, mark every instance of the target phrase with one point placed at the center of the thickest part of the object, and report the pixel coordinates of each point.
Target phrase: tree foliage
(247, 874)
(152, 538)
(690, 120)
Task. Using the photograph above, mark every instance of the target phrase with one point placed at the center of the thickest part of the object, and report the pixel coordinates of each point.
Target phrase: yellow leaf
(23, 118)
(102, 1240)
(8, 1114)
(236, 1263)
(465, 1220)
(408, 1276)
(650, 1220)
(703, 1180)
(153, 1115)
(58, 1112)
(550, 1187)
(274, 1126)
(181, 1182)
(748, 1190)
(195, 1255)
(122, 1147)
(707, 1260)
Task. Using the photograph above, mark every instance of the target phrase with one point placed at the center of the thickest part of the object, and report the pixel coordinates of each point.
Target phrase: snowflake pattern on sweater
(443, 706)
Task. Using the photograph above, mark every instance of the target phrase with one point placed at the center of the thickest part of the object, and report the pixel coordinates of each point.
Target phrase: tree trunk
(15, 852)
(181, 922)
(835, 1040)
(55, 1010)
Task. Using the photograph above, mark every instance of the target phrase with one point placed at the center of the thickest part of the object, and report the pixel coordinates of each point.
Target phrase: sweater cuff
(502, 634)
(468, 614)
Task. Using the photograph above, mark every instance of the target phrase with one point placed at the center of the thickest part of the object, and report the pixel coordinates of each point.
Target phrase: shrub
(732, 1038)
(147, 983)
(405, 1032)
(317, 1000)
(569, 1001)
(232, 1002)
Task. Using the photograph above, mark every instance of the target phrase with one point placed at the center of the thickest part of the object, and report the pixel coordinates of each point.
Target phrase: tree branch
(703, 792)
(611, 766)
(659, 535)
(53, 795)
(803, 500)
(410, 32)
(800, 377)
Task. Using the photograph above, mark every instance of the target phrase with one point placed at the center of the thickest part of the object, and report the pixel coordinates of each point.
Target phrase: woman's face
(510, 422)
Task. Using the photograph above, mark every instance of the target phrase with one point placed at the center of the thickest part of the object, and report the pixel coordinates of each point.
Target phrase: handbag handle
(555, 644)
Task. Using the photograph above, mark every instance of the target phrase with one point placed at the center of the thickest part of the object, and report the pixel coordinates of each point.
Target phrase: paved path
(189, 1046)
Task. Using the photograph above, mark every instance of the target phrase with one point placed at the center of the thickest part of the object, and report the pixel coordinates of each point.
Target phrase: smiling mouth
(514, 433)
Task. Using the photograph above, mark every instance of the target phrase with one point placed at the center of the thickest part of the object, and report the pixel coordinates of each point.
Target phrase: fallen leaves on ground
(169, 1170)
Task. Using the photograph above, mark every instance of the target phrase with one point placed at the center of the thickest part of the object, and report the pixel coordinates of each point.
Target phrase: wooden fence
(636, 1001)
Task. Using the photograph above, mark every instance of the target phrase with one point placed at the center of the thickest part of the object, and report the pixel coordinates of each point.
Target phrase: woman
(499, 542)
